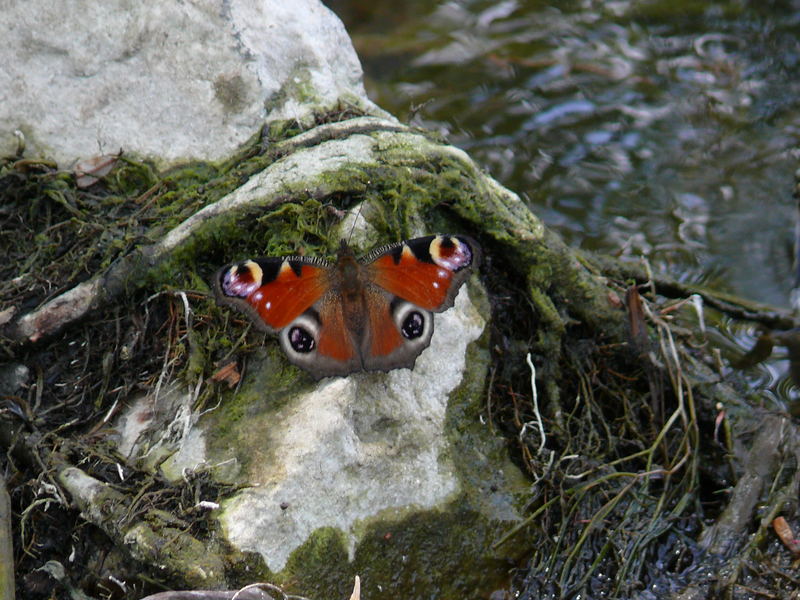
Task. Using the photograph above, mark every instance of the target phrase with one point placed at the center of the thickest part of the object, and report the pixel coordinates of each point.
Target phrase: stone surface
(345, 452)
(356, 447)
(169, 80)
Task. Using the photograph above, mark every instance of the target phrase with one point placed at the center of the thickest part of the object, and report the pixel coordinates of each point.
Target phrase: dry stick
(154, 539)
(6, 547)
(738, 308)
(764, 461)
(760, 465)
(733, 306)
(535, 408)
(147, 540)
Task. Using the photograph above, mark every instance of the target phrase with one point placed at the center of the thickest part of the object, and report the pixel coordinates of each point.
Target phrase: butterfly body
(372, 313)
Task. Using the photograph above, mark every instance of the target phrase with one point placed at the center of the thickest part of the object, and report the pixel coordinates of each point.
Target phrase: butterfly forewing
(426, 271)
(273, 291)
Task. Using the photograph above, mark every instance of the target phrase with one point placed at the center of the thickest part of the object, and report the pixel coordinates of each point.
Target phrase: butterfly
(372, 313)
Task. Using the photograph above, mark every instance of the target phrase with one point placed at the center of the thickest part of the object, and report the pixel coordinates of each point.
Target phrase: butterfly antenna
(355, 220)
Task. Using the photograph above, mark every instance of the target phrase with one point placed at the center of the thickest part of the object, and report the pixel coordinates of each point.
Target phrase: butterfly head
(345, 250)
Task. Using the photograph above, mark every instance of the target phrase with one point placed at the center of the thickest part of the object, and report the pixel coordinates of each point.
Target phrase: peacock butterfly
(372, 313)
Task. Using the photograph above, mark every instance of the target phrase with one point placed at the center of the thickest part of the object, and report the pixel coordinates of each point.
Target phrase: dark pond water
(662, 129)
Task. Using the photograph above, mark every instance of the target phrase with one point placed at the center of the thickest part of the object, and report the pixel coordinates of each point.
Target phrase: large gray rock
(167, 80)
(336, 464)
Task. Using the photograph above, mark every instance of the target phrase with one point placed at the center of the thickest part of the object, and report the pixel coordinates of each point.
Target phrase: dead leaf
(639, 339)
(89, 171)
(228, 373)
(786, 535)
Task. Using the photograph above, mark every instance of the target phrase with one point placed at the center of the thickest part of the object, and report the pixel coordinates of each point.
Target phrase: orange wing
(423, 284)
(272, 291)
(334, 339)
(425, 271)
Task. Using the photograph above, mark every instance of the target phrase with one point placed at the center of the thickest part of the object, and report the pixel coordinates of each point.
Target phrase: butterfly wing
(293, 297)
(273, 292)
(374, 314)
(426, 271)
(409, 281)
(397, 332)
(320, 340)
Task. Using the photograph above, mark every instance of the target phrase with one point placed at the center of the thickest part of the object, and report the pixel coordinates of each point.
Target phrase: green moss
(296, 87)
(231, 92)
(130, 178)
(179, 556)
(320, 564)
(197, 360)
(431, 554)
(271, 382)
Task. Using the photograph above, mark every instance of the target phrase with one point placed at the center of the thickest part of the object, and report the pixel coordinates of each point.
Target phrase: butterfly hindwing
(398, 332)
(320, 341)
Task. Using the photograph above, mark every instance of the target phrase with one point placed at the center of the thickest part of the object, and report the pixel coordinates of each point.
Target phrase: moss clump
(410, 557)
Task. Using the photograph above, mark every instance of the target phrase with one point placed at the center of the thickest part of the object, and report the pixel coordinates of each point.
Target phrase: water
(667, 130)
